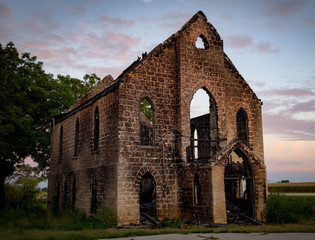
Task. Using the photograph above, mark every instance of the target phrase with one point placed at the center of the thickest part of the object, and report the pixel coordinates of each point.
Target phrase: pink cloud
(283, 8)
(48, 54)
(295, 92)
(289, 128)
(5, 9)
(239, 41)
(304, 107)
(116, 21)
(266, 47)
(75, 9)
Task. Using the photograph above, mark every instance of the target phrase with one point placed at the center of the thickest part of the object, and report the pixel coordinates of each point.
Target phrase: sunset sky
(271, 43)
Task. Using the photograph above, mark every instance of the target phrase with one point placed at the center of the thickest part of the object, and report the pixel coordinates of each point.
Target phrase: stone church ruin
(132, 145)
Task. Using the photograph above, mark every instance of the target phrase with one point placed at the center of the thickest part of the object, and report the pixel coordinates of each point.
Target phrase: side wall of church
(87, 179)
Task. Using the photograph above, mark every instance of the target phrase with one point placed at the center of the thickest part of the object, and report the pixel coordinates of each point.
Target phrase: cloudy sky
(271, 43)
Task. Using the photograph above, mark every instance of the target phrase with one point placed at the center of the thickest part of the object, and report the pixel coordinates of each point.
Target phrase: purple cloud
(283, 8)
(266, 47)
(239, 41)
(295, 92)
(116, 22)
(291, 129)
(4, 10)
(308, 106)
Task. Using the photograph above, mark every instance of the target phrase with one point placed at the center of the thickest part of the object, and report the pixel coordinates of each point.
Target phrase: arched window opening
(202, 42)
(203, 126)
(60, 142)
(242, 126)
(146, 122)
(197, 191)
(239, 187)
(147, 196)
(96, 129)
(93, 196)
(76, 138)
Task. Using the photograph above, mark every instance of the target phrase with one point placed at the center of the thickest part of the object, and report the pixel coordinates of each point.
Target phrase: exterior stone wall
(168, 77)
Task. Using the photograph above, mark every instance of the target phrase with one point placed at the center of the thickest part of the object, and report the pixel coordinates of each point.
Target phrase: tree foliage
(29, 97)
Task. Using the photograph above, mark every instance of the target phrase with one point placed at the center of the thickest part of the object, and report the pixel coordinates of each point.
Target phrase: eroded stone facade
(99, 158)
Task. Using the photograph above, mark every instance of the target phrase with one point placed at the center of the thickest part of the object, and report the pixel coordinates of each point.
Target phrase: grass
(286, 214)
(38, 234)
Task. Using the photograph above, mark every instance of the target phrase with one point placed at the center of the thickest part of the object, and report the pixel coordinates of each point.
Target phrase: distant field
(301, 187)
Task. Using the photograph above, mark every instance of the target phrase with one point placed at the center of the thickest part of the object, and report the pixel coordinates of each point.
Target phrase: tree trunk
(2, 194)
(6, 169)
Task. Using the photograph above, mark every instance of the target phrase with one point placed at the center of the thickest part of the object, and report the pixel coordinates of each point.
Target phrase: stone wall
(168, 77)
(92, 169)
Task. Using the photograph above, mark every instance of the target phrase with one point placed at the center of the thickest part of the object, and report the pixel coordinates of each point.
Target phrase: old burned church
(131, 145)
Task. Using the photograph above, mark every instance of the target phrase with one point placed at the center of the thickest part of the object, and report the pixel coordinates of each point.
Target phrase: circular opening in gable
(201, 42)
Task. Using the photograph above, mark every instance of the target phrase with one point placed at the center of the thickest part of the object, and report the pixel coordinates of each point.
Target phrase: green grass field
(303, 187)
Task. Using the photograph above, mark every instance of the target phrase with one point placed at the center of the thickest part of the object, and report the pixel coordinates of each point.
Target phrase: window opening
(60, 142)
(96, 128)
(146, 122)
(147, 197)
(197, 191)
(201, 42)
(242, 126)
(195, 144)
(203, 126)
(76, 138)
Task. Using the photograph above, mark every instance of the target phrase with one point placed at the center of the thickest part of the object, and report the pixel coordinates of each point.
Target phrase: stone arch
(145, 169)
(246, 171)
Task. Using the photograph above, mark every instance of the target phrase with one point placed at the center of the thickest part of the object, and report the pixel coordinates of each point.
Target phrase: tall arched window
(242, 126)
(76, 137)
(146, 122)
(203, 120)
(60, 142)
(197, 190)
(96, 128)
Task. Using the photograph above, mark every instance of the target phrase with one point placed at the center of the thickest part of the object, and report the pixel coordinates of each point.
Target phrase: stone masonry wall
(92, 168)
(156, 81)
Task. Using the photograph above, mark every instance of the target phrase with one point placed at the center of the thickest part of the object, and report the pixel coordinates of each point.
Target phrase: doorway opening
(239, 188)
(147, 198)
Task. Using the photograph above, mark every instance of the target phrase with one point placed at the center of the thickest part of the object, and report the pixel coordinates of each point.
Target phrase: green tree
(29, 97)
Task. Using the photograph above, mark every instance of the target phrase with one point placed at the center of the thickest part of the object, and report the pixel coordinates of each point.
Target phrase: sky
(270, 42)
